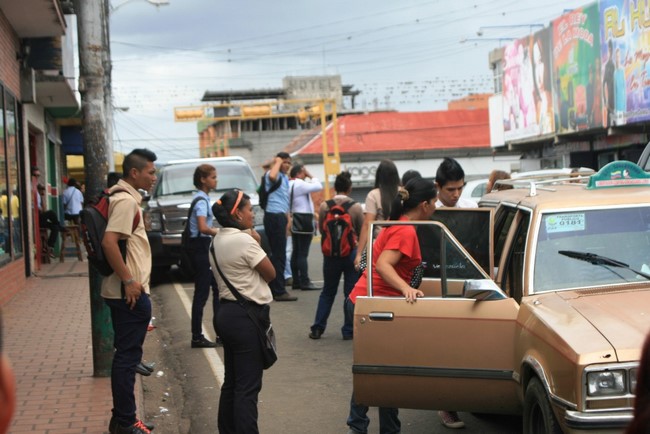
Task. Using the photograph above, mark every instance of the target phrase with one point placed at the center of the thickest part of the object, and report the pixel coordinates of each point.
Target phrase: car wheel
(538, 414)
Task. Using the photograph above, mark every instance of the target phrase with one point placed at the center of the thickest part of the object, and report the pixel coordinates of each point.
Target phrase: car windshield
(178, 179)
(621, 234)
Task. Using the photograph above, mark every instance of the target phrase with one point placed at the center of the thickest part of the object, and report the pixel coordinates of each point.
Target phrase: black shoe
(219, 342)
(285, 297)
(288, 282)
(315, 333)
(347, 338)
(148, 366)
(311, 287)
(296, 286)
(202, 342)
(142, 370)
(136, 428)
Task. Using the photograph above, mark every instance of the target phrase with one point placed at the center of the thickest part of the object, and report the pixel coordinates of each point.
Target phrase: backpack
(186, 261)
(263, 194)
(94, 218)
(338, 238)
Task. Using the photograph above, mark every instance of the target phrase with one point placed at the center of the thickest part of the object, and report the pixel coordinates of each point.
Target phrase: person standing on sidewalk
(276, 220)
(334, 266)
(301, 187)
(201, 233)
(126, 291)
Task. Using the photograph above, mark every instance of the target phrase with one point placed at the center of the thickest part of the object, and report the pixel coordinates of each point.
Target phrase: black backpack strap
(189, 212)
(275, 185)
(330, 203)
(347, 204)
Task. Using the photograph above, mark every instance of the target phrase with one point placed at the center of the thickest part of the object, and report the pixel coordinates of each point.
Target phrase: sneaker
(139, 427)
(202, 342)
(315, 333)
(450, 419)
(288, 282)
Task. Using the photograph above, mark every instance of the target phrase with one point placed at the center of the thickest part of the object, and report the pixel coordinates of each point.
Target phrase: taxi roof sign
(619, 174)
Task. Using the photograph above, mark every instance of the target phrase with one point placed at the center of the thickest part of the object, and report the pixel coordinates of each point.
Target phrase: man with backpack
(126, 291)
(274, 197)
(340, 220)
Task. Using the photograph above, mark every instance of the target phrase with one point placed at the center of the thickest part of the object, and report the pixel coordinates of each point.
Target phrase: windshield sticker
(565, 223)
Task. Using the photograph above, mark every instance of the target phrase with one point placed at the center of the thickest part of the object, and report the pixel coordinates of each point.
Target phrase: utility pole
(91, 20)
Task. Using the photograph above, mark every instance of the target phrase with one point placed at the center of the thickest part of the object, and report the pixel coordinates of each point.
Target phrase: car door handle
(381, 316)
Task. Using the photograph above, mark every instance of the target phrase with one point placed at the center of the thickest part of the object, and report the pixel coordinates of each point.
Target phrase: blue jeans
(203, 281)
(299, 267)
(130, 328)
(358, 420)
(332, 269)
(275, 226)
(243, 363)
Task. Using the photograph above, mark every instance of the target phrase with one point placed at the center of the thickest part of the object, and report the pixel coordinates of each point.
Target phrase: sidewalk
(47, 337)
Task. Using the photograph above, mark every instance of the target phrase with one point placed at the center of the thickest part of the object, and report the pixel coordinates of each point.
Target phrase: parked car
(474, 189)
(165, 213)
(537, 303)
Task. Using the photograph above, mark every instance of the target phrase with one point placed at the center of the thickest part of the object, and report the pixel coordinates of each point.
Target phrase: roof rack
(539, 180)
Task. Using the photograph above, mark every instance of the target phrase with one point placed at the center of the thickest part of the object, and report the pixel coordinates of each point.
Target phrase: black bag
(187, 261)
(261, 317)
(416, 278)
(301, 223)
(263, 194)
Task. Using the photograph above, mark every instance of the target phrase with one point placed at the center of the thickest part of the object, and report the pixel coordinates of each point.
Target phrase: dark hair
(283, 155)
(112, 178)
(222, 208)
(295, 169)
(410, 174)
(343, 182)
(72, 182)
(34, 169)
(419, 190)
(641, 419)
(449, 171)
(497, 175)
(202, 171)
(137, 159)
(386, 180)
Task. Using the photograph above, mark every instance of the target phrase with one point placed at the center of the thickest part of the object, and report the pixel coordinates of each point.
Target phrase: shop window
(5, 255)
(13, 190)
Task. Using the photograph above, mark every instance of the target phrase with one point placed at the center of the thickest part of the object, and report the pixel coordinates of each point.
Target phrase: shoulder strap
(347, 204)
(238, 296)
(291, 198)
(275, 185)
(330, 203)
(136, 219)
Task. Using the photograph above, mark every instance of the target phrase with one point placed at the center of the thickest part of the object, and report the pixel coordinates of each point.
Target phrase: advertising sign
(577, 87)
(314, 87)
(527, 97)
(625, 51)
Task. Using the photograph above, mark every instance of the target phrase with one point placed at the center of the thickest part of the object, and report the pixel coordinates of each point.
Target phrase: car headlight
(259, 215)
(606, 383)
(633, 373)
(152, 221)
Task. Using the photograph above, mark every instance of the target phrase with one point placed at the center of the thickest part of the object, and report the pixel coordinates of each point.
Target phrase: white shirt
(302, 190)
(462, 203)
(73, 200)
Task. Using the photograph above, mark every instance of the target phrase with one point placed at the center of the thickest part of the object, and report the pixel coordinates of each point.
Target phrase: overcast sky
(405, 55)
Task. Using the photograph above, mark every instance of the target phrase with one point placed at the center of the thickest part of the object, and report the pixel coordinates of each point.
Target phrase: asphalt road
(307, 390)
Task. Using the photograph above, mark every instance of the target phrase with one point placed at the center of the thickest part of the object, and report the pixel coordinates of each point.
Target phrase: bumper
(608, 422)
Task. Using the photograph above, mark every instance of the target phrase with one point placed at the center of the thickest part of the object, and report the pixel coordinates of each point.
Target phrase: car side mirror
(482, 290)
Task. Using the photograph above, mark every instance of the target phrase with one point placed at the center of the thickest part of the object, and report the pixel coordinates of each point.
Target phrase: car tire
(538, 414)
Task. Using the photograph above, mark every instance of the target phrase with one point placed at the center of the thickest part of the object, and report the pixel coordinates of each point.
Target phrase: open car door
(452, 349)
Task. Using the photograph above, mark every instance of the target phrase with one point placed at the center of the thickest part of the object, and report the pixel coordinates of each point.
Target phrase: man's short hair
(283, 155)
(449, 171)
(137, 159)
(35, 169)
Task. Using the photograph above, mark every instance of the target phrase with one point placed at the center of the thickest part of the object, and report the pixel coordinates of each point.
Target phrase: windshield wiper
(595, 259)
(179, 192)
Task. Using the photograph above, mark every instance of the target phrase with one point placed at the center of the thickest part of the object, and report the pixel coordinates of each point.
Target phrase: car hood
(183, 201)
(621, 317)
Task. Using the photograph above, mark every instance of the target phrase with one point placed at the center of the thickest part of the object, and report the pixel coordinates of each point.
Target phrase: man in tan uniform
(126, 291)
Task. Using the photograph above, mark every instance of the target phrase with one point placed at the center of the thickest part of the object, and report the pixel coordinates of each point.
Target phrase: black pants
(49, 220)
(242, 350)
(275, 226)
(203, 281)
(299, 254)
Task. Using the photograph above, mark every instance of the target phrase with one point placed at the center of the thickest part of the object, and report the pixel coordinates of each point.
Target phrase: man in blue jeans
(276, 220)
(126, 291)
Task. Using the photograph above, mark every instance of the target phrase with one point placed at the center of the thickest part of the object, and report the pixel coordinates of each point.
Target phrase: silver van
(165, 212)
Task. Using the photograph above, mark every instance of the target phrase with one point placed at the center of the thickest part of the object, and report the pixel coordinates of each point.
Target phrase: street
(307, 390)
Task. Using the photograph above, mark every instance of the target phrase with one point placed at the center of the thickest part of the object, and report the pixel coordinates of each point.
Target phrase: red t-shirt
(401, 238)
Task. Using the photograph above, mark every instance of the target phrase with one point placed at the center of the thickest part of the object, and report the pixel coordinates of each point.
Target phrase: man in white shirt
(450, 181)
(302, 185)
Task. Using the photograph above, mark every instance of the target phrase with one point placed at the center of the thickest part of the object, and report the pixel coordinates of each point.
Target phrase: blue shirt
(278, 201)
(202, 208)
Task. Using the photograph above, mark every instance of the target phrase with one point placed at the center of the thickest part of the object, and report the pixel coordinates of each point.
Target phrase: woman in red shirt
(395, 254)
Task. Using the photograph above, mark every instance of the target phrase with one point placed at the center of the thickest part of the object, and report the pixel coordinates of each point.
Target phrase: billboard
(577, 85)
(527, 96)
(314, 87)
(625, 51)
